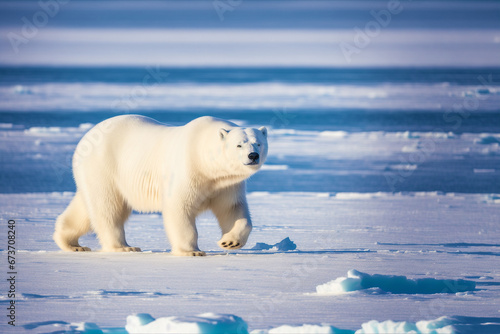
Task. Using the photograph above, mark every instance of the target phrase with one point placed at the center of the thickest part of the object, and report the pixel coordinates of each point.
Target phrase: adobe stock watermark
(282, 118)
(32, 25)
(372, 29)
(139, 93)
(294, 277)
(83, 149)
(437, 307)
(126, 103)
(455, 117)
(223, 6)
(93, 306)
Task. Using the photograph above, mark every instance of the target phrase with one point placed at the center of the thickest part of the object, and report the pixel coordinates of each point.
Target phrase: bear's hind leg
(71, 225)
(108, 221)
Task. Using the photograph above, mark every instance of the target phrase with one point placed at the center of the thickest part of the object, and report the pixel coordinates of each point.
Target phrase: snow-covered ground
(422, 236)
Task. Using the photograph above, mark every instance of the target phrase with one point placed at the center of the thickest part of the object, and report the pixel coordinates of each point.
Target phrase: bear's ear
(223, 133)
(263, 129)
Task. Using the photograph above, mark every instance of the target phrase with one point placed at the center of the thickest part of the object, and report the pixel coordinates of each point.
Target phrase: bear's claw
(131, 249)
(188, 253)
(123, 249)
(229, 244)
(80, 249)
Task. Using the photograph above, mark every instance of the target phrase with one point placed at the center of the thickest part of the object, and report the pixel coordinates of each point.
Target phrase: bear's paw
(80, 249)
(228, 242)
(123, 249)
(188, 253)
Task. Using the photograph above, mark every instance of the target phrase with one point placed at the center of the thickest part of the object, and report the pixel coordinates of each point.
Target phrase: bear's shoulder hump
(207, 121)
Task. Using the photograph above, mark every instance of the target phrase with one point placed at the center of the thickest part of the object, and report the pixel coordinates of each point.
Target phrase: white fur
(135, 163)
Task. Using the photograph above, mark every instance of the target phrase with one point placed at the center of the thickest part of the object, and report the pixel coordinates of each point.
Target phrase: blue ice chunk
(140, 319)
(357, 280)
(206, 323)
(487, 140)
(284, 245)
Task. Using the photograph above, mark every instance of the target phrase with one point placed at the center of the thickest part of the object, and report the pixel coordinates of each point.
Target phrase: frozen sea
(333, 130)
(389, 172)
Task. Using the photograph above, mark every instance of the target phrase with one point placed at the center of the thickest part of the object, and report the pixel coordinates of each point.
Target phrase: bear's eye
(239, 146)
(258, 145)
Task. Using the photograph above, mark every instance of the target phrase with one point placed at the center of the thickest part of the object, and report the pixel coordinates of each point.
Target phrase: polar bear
(132, 162)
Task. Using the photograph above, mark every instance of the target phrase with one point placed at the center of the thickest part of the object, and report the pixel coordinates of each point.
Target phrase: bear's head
(244, 148)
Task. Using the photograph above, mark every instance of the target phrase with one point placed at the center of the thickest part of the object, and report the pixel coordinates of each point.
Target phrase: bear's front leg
(237, 237)
(234, 220)
(181, 231)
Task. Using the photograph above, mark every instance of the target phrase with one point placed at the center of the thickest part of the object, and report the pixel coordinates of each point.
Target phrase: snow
(438, 326)
(304, 329)
(275, 167)
(207, 323)
(348, 196)
(126, 97)
(335, 134)
(211, 323)
(479, 170)
(357, 280)
(390, 234)
(284, 245)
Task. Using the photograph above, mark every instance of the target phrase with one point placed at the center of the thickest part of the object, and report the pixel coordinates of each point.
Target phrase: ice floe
(207, 323)
(213, 323)
(357, 280)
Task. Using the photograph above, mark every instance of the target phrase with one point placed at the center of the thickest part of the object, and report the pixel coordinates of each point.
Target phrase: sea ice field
(365, 220)
(377, 210)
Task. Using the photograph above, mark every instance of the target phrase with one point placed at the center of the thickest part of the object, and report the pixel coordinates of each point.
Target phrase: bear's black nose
(253, 156)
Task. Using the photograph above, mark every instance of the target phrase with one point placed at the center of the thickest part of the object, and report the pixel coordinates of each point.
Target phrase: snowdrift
(212, 323)
(357, 280)
(283, 246)
(207, 323)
